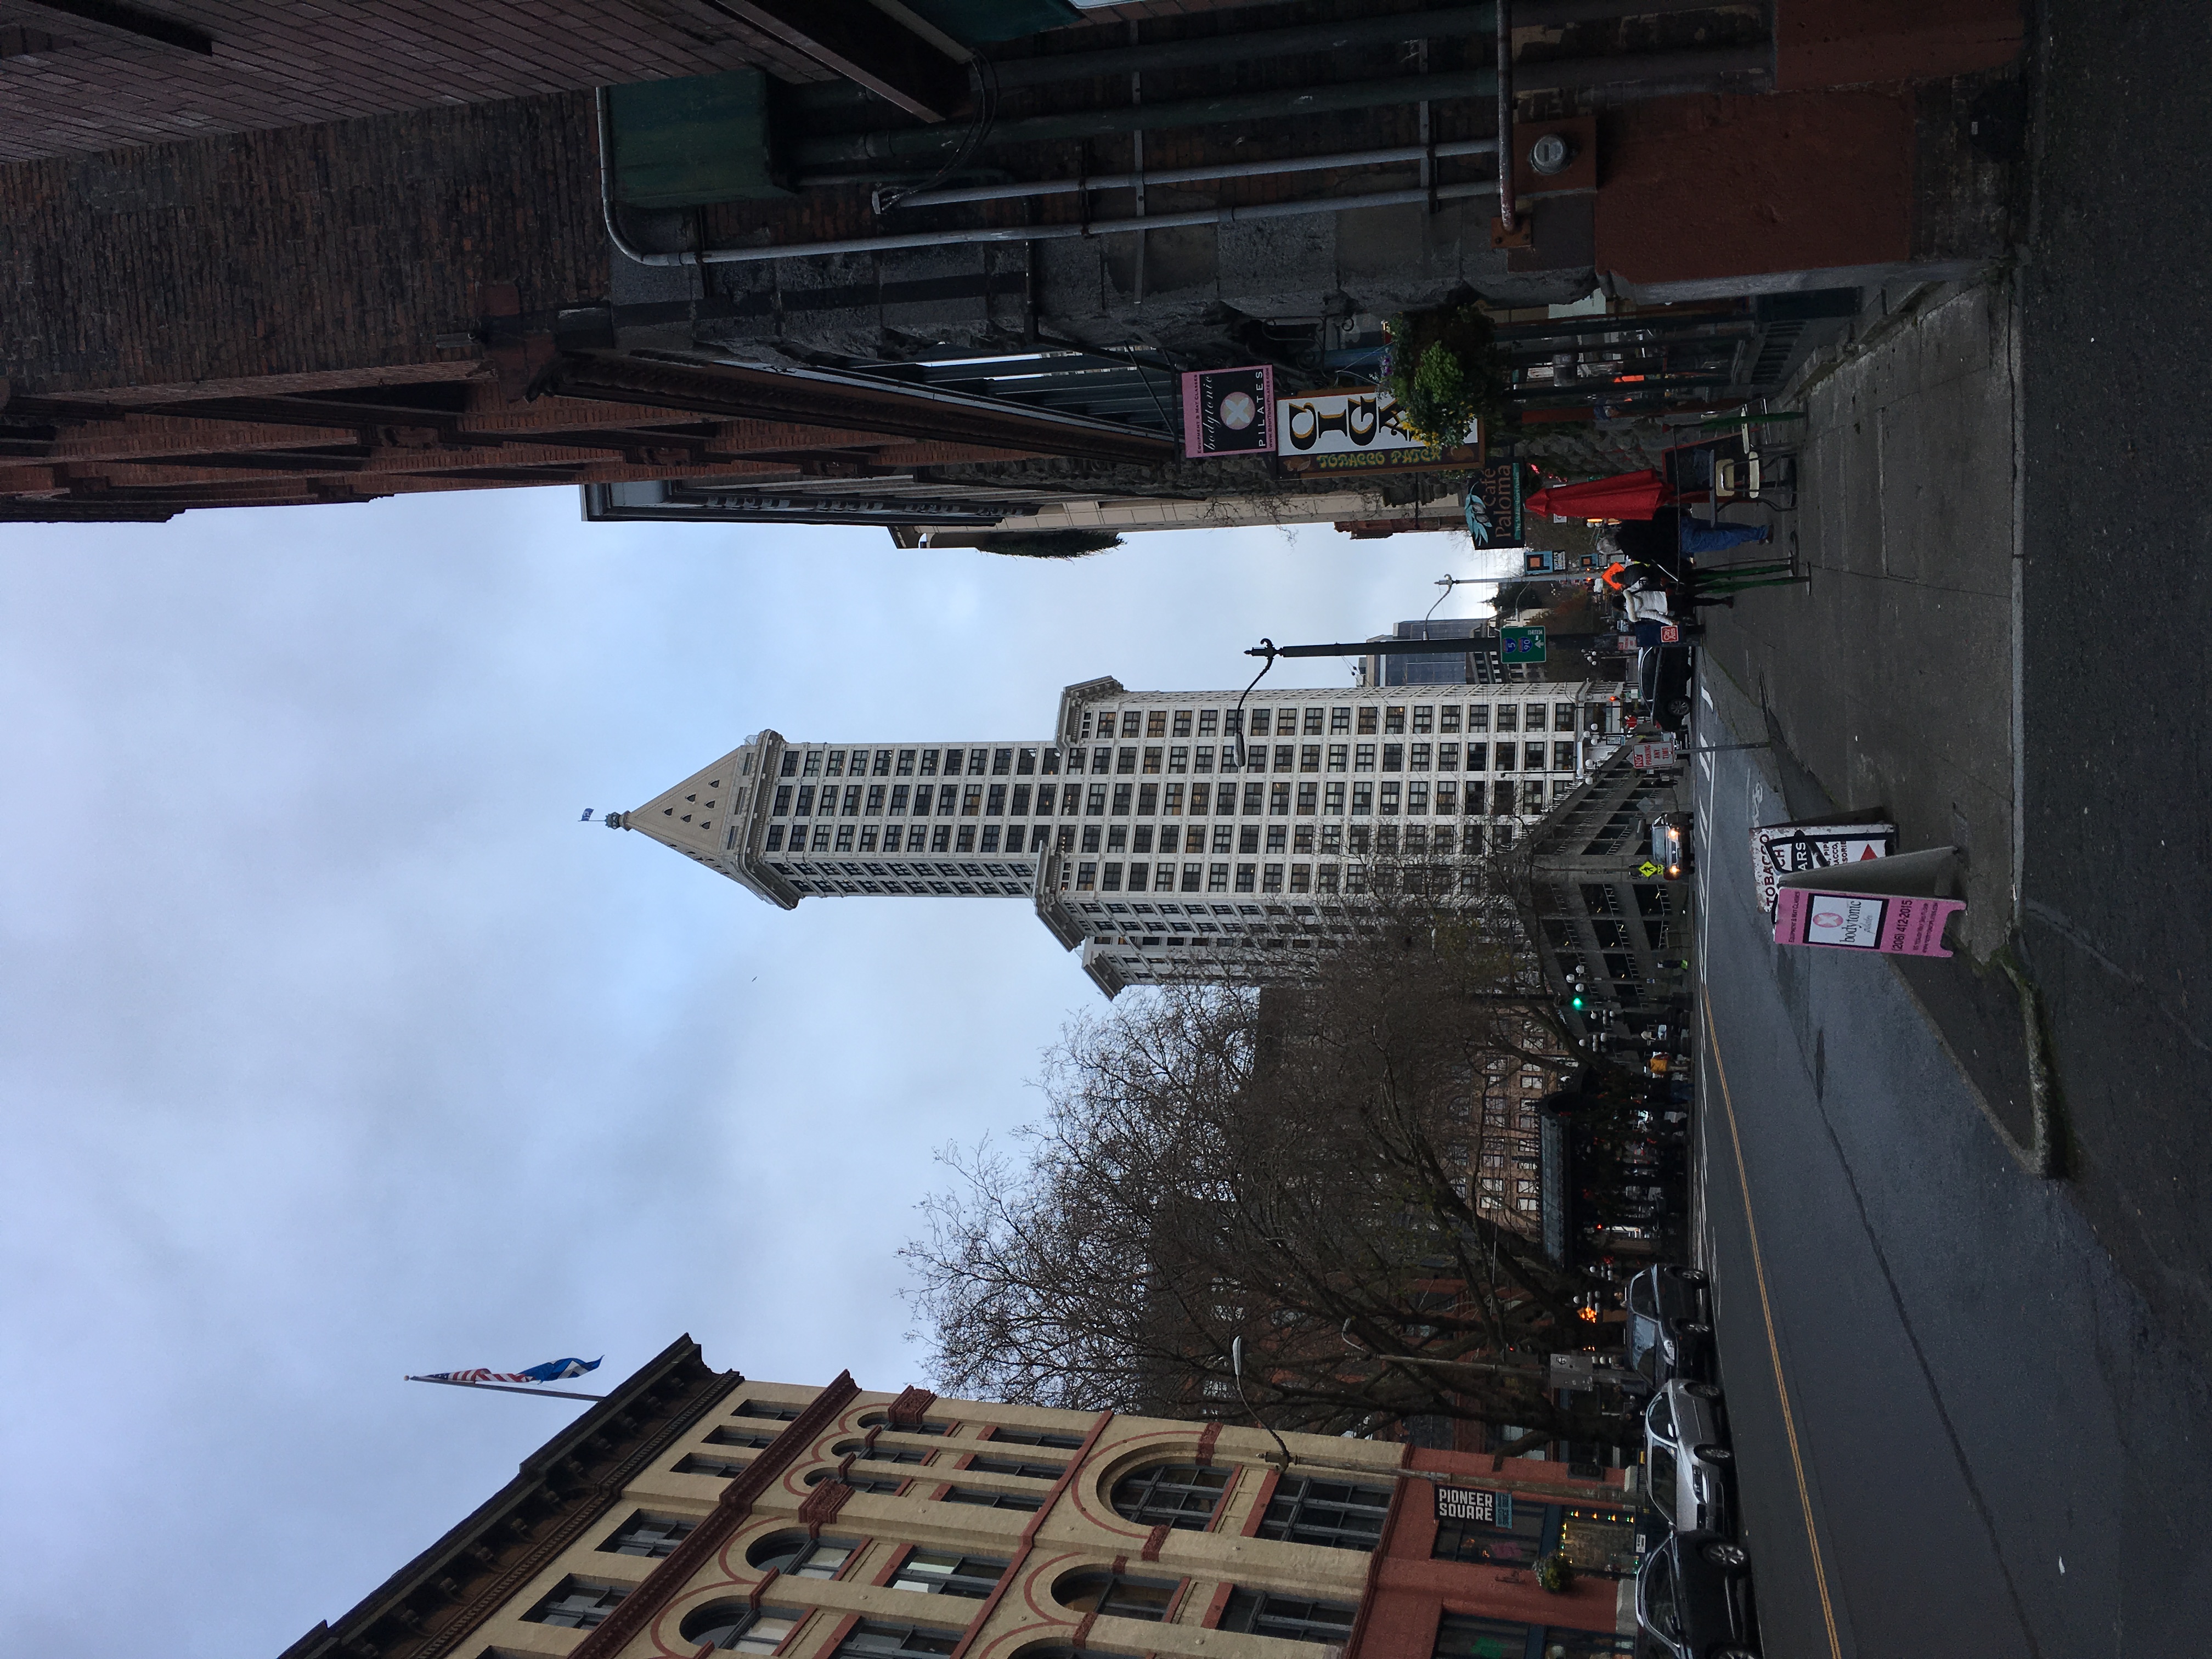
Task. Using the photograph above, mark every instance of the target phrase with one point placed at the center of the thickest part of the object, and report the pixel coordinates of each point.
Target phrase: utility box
(693, 141)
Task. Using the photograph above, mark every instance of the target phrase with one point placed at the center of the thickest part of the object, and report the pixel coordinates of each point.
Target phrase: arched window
(1115, 1594)
(1335, 1513)
(735, 1627)
(1183, 1495)
(797, 1555)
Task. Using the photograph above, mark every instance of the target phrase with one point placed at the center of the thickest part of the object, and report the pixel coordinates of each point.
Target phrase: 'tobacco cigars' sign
(1362, 420)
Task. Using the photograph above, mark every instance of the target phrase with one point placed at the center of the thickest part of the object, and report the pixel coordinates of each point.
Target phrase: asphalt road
(1959, 1429)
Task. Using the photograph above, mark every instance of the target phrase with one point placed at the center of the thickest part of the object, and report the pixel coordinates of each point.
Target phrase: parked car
(1662, 684)
(1693, 1599)
(1670, 1330)
(1688, 1467)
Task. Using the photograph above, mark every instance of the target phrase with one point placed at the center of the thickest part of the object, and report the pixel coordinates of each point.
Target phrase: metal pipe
(1351, 158)
(1232, 48)
(1505, 205)
(1226, 216)
(910, 144)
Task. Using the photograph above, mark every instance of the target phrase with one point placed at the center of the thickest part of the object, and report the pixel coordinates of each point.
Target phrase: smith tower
(1164, 835)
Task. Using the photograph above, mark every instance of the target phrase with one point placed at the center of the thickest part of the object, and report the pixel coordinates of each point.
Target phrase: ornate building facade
(694, 1511)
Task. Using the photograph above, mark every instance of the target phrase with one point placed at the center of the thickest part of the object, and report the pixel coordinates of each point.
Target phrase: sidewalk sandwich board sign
(1778, 849)
(1229, 411)
(1898, 906)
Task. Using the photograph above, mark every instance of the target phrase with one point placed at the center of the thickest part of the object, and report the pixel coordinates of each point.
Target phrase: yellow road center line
(1773, 1347)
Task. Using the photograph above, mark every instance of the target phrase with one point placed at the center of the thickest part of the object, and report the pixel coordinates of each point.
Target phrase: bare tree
(1292, 1167)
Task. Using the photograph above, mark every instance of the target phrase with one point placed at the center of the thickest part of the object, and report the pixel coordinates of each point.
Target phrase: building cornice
(637, 1610)
(436, 1601)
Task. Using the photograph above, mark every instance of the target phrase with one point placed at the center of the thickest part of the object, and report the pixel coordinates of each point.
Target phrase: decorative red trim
(1390, 1519)
(760, 1590)
(907, 1411)
(1208, 1438)
(644, 1604)
(1154, 1542)
(1082, 1630)
(820, 1506)
(890, 1570)
(1212, 1619)
(1176, 1602)
(1268, 1482)
(1029, 1538)
(1121, 1566)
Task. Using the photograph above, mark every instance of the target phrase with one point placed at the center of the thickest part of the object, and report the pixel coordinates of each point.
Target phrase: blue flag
(554, 1371)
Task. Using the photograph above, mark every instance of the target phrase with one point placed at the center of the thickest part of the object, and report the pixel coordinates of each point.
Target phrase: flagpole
(507, 1388)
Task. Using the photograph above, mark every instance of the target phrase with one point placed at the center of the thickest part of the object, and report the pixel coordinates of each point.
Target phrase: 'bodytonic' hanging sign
(1229, 411)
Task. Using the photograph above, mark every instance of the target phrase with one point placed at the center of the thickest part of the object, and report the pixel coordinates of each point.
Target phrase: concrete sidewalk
(1887, 680)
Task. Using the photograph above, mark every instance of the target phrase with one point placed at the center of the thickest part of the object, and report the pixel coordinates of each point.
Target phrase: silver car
(1688, 1466)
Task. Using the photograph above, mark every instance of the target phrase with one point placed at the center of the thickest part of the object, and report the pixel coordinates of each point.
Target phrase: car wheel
(1695, 1328)
(1691, 1275)
(1713, 1454)
(1734, 1557)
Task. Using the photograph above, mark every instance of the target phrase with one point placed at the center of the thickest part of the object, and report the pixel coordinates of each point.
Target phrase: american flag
(553, 1370)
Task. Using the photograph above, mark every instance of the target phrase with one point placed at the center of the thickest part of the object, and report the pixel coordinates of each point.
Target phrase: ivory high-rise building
(1165, 834)
(694, 1510)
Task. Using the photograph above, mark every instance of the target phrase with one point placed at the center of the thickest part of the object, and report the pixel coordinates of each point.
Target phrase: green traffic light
(1577, 1002)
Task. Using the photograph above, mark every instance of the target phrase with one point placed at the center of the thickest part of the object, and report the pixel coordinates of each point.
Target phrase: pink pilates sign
(1863, 921)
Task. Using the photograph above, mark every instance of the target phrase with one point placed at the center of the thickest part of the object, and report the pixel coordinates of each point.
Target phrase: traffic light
(1576, 1001)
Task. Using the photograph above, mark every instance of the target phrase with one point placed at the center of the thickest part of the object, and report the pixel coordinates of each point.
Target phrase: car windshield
(1661, 1419)
(1639, 1296)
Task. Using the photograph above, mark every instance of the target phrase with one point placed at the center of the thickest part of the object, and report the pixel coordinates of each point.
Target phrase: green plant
(1555, 1574)
(1444, 372)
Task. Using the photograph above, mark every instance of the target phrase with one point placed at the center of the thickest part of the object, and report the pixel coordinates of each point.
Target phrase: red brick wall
(349, 246)
(1696, 188)
(281, 63)
(1841, 43)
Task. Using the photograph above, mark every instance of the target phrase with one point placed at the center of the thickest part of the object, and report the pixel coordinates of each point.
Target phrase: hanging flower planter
(1443, 370)
(1554, 1573)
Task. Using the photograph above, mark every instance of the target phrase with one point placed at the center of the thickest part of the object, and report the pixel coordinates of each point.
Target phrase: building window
(737, 1627)
(1532, 796)
(1111, 882)
(1362, 758)
(797, 1556)
(1532, 759)
(995, 1500)
(878, 1454)
(1180, 1495)
(1028, 1469)
(1417, 798)
(1418, 760)
(1470, 1636)
(876, 1639)
(1086, 877)
(1296, 1618)
(722, 1469)
(1112, 1594)
(1125, 762)
(577, 1604)
(1507, 754)
(775, 838)
(1394, 756)
(1389, 800)
(1563, 757)
(1339, 1513)
(1362, 801)
(1151, 760)
(887, 1484)
(651, 1535)
(755, 1438)
(1447, 798)
(1094, 805)
(844, 837)
(947, 1572)
(1216, 879)
(1302, 877)
(1271, 879)
(1279, 800)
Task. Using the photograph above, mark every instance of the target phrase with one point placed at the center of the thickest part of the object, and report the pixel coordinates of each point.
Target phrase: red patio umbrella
(1625, 496)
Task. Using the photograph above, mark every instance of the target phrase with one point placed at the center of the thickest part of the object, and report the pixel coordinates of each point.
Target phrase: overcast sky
(337, 1047)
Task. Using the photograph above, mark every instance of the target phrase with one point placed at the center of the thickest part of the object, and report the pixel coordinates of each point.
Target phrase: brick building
(226, 215)
(693, 1511)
